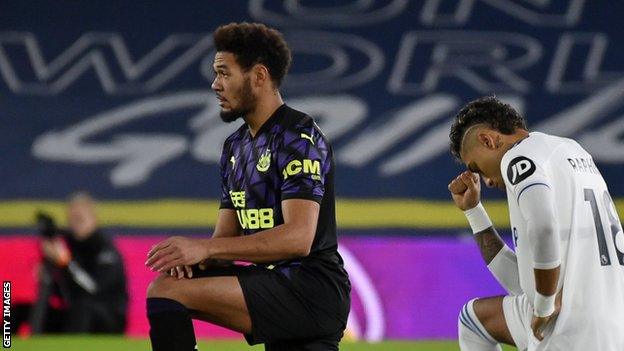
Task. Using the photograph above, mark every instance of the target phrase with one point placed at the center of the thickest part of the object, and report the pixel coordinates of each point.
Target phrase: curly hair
(486, 110)
(254, 43)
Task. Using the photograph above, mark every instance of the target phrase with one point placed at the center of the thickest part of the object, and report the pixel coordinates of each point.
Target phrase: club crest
(264, 162)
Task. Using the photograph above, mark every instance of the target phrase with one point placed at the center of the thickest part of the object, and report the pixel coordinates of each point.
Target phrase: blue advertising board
(115, 97)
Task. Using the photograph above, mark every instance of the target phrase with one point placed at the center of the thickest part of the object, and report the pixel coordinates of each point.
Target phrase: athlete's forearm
(546, 283)
(490, 243)
(546, 280)
(283, 242)
(225, 234)
(500, 260)
(227, 224)
(486, 236)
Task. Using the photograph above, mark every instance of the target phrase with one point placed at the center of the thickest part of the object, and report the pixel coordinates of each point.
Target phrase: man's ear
(486, 139)
(260, 75)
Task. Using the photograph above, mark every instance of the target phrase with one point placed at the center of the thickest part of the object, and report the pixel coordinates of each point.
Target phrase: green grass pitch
(108, 343)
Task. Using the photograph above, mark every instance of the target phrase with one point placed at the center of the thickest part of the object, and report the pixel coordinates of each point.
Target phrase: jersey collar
(519, 141)
(275, 118)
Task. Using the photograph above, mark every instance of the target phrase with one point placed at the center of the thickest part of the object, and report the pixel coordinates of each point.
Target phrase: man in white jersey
(566, 278)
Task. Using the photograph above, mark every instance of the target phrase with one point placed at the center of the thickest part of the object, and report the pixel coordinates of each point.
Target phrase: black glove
(45, 224)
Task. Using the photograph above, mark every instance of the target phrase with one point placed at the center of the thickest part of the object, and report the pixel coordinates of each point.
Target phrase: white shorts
(518, 314)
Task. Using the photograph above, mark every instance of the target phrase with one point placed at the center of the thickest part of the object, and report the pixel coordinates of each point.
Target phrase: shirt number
(614, 228)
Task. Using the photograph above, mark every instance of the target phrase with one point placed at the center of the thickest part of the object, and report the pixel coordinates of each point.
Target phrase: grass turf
(101, 343)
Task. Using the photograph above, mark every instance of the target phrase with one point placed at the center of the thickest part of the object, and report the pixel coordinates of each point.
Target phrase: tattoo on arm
(490, 243)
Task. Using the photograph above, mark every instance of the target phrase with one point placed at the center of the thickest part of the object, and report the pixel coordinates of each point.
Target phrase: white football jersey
(591, 238)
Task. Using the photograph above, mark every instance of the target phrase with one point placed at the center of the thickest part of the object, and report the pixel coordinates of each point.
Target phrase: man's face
(484, 160)
(82, 218)
(233, 87)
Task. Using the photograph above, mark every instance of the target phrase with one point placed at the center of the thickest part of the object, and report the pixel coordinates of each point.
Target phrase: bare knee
(163, 287)
(472, 333)
(472, 315)
(490, 313)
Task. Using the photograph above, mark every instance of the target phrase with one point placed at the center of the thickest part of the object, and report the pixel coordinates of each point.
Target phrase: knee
(467, 309)
(471, 325)
(468, 315)
(161, 287)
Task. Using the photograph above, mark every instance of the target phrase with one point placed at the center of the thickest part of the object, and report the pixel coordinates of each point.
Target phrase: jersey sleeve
(531, 187)
(304, 161)
(537, 206)
(226, 201)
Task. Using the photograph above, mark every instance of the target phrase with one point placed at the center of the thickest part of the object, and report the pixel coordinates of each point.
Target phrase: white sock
(472, 334)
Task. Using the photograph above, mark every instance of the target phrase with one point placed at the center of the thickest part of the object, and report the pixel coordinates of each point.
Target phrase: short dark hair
(254, 43)
(487, 110)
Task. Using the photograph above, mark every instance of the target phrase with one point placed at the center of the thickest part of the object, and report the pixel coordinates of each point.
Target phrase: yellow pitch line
(181, 213)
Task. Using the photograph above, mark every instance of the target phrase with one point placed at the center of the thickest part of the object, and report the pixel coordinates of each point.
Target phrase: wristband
(478, 218)
(543, 306)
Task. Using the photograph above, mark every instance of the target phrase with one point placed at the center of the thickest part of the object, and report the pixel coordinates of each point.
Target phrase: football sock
(171, 327)
(472, 334)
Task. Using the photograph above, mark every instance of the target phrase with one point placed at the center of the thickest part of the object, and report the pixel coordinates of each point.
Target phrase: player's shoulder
(529, 155)
(295, 120)
(236, 136)
(537, 147)
(298, 124)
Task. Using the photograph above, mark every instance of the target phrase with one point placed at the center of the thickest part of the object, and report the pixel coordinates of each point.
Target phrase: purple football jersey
(289, 158)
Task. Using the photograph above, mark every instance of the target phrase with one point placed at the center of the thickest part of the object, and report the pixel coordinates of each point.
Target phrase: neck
(265, 107)
(519, 135)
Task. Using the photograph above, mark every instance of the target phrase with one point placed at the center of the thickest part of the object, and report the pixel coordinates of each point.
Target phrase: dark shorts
(285, 315)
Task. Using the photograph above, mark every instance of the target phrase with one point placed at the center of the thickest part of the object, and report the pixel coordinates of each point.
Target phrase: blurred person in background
(82, 284)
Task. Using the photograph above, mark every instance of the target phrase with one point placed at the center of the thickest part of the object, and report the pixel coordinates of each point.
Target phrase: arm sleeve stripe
(528, 186)
(303, 196)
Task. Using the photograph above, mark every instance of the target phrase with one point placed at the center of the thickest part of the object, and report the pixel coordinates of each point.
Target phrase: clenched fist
(466, 190)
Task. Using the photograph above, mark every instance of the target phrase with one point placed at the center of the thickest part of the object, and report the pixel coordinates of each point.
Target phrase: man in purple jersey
(277, 211)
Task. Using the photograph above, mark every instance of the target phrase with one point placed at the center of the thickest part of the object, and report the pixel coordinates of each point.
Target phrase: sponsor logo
(305, 136)
(306, 166)
(519, 169)
(256, 218)
(238, 198)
